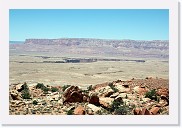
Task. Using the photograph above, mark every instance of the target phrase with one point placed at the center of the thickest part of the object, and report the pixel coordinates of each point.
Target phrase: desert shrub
(89, 88)
(23, 87)
(121, 110)
(126, 96)
(42, 87)
(70, 112)
(115, 105)
(113, 87)
(65, 87)
(151, 94)
(35, 102)
(45, 89)
(25, 91)
(26, 94)
(53, 89)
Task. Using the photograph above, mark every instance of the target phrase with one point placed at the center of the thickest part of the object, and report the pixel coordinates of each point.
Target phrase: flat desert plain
(31, 69)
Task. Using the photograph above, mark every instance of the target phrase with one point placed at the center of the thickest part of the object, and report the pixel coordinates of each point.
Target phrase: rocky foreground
(134, 97)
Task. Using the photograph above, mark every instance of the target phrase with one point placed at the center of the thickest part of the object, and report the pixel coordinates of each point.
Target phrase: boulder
(143, 111)
(79, 111)
(94, 99)
(122, 87)
(93, 109)
(122, 95)
(114, 95)
(136, 111)
(18, 86)
(15, 95)
(163, 92)
(140, 90)
(154, 110)
(104, 91)
(164, 101)
(146, 99)
(106, 102)
(73, 94)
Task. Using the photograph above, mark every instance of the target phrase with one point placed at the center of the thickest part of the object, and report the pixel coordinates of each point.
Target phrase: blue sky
(141, 24)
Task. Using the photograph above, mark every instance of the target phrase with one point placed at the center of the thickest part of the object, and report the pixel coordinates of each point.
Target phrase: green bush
(151, 94)
(25, 91)
(45, 89)
(42, 87)
(89, 88)
(25, 94)
(70, 112)
(25, 86)
(53, 89)
(115, 105)
(113, 87)
(65, 87)
(35, 102)
(122, 110)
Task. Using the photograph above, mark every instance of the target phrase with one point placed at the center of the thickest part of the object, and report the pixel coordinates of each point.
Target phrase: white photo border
(171, 119)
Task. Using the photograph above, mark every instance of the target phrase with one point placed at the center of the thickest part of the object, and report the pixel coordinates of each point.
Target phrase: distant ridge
(96, 47)
(88, 42)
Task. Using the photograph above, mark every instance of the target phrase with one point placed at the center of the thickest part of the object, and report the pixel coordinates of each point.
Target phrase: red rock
(94, 99)
(79, 111)
(163, 97)
(136, 111)
(73, 94)
(142, 111)
(163, 91)
(154, 110)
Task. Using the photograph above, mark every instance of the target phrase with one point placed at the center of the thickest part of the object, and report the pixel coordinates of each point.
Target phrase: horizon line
(90, 38)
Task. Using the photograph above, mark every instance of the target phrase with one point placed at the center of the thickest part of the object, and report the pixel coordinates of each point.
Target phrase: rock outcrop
(134, 97)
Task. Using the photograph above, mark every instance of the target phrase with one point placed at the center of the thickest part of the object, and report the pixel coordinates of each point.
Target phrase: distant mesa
(159, 44)
(95, 47)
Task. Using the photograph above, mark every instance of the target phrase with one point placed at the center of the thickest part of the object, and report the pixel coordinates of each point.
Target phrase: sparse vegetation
(70, 112)
(115, 105)
(118, 108)
(113, 87)
(121, 110)
(42, 87)
(89, 88)
(65, 87)
(151, 94)
(92, 101)
(126, 97)
(35, 102)
(25, 91)
(99, 112)
(53, 89)
(25, 94)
